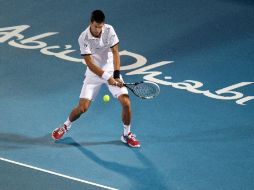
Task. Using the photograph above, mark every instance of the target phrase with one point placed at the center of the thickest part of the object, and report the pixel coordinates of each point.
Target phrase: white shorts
(92, 84)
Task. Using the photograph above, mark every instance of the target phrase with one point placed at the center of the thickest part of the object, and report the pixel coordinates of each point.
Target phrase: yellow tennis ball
(106, 98)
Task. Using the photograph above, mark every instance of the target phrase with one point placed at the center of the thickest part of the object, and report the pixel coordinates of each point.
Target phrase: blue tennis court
(197, 134)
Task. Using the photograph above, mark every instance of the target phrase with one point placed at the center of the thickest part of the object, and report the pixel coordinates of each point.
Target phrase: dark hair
(97, 16)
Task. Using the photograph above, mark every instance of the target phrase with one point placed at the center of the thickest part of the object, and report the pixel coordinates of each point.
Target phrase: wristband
(105, 75)
(116, 74)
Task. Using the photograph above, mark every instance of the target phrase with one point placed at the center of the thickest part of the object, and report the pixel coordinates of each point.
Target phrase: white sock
(126, 129)
(68, 123)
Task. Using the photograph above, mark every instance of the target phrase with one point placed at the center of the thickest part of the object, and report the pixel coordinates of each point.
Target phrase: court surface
(198, 134)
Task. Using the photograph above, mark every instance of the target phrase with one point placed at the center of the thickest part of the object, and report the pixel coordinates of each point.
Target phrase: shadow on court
(14, 141)
(11, 141)
(148, 173)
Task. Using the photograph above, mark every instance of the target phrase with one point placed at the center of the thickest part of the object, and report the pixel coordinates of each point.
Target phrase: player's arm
(116, 57)
(117, 64)
(97, 70)
(94, 68)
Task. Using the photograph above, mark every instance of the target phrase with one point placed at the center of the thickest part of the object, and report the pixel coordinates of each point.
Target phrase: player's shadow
(142, 178)
(67, 141)
(10, 141)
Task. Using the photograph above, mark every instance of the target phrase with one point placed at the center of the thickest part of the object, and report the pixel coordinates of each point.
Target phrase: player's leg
(88, 93)
(122, 95)
(127, 137)
(81, 108)
(126, 110)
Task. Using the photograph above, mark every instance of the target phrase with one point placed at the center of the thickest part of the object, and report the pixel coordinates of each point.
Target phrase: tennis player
(99, 47)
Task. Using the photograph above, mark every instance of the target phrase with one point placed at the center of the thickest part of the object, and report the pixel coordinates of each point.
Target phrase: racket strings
(146, 90)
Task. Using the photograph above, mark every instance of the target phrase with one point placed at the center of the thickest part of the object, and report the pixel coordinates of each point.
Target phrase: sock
(68, 123)
(126, 129)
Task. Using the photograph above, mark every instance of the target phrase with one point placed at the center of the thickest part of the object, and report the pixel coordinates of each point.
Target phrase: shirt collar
(90, 36)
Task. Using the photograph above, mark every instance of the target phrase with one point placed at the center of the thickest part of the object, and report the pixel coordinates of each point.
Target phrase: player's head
(97, 16)
(97, 21)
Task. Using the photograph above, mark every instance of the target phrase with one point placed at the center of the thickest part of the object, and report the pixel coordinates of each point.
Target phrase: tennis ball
(106, 98)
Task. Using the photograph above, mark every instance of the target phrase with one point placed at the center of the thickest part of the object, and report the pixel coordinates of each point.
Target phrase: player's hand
(112, 81)
(119, 82)
(115, 82)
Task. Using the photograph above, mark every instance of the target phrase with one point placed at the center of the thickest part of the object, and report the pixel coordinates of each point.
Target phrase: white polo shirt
(99, 48)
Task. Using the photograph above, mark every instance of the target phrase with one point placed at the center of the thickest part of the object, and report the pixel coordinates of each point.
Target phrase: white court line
(57, 174)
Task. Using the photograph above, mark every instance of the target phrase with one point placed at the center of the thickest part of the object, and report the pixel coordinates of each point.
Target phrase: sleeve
(113, 39)
(84, 46)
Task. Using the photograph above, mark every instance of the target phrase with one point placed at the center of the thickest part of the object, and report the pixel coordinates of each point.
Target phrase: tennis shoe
(59, 132)
(131, 140)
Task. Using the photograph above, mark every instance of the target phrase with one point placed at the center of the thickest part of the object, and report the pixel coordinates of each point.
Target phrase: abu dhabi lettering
(19, 41)
(13, 36)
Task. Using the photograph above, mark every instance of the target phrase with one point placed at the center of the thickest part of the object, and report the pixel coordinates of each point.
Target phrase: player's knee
(82, 109)
(83, 106)
(126, 102)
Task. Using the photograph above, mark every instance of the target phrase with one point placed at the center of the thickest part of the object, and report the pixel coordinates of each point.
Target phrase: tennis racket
(144, 89)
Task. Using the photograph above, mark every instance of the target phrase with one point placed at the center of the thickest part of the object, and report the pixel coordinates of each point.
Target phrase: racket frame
(127, 85)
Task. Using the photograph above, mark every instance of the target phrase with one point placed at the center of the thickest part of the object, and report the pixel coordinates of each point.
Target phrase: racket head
(145, 89)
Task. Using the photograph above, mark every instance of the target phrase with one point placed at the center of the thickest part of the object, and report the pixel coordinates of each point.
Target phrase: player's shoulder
(109, 29)
(108, 26)
(84, 35)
